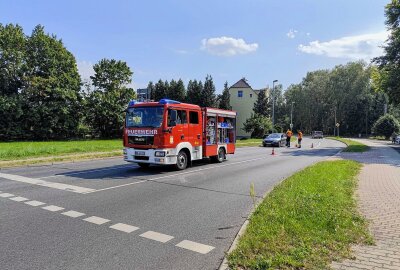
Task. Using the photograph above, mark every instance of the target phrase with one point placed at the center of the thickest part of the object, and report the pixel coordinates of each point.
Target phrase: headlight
(125, 152)
(159, 154)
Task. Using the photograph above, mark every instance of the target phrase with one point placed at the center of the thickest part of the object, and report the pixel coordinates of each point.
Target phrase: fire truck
(169, 132)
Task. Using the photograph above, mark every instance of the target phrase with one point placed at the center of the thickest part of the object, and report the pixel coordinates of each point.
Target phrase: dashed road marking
(124, 227)
(6, 195)
(96, 220)
(73, 214)
(19, 199)
(35, 203)
(43, 183)
(196, 247)
(152, 235)
(53, 208)
(160, 237)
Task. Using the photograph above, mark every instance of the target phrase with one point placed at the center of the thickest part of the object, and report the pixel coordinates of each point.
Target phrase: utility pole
(334, 129)
(273, 104)
(291, 116)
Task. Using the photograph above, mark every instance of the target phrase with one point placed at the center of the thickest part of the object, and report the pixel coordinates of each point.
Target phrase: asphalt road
(107, 214)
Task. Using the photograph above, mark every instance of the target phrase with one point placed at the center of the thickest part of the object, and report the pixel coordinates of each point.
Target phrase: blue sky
(261, 40)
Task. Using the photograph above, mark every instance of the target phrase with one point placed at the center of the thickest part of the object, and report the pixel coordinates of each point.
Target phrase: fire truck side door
(180, 130)
(195, 128)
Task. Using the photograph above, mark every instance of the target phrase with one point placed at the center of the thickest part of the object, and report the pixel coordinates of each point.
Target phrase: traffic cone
(273, 151)
(312, 145)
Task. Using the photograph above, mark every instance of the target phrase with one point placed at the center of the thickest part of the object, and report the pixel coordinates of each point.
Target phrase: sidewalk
(379, 200)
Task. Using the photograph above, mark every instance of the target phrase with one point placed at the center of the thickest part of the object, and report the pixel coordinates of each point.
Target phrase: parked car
(317, 135)
(397, 140)
(275, 139)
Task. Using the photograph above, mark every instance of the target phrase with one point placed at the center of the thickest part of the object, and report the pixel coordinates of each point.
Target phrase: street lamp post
(291, 116)
(273, 104)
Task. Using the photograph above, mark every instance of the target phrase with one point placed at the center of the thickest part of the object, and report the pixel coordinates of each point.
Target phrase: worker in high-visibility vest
(299, 137)
(289, 134)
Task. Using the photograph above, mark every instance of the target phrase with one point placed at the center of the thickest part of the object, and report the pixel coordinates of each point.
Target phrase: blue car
(275, 139)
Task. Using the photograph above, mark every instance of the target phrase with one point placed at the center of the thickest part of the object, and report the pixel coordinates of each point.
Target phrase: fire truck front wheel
(181, 160)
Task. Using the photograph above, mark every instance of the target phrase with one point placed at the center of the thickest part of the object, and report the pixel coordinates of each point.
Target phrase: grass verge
(27, 150)
(352, 146)
(306, 222)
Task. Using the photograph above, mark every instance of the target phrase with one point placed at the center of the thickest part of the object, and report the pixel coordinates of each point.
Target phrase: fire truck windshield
(144, 117)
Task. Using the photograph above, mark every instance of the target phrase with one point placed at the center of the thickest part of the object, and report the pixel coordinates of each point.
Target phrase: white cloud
(292, 33)
(364, 46)
(85, 69)
(227, 46)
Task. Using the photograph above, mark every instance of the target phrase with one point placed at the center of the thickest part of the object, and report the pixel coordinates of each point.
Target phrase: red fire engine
(171, 132)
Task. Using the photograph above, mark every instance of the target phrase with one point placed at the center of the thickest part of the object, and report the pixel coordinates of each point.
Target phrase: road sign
(337, 124)
(291, 126)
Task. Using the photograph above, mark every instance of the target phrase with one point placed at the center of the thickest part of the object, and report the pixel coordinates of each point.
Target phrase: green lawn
(306, 222)
(352, 146)
(24, 150)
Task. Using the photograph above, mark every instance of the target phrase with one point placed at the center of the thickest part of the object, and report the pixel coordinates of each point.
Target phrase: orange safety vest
(300, 135)
(289, 133)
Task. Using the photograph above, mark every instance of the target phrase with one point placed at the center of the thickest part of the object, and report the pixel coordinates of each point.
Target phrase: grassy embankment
(352, 146)
(22, 153)
(306, 222)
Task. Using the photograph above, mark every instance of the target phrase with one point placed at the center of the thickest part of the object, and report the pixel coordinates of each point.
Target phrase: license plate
(140, 153)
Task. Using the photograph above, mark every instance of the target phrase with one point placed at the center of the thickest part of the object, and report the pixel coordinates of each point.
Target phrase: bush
(258, 125)
(386, 125)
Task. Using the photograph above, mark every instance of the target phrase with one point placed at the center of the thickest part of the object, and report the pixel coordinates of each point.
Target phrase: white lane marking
(196, 247)
(73, 214)
(53, 208)
(129, 184)
(178, 174)
(87, 171)
(96, 220)
(6, 195)
(39, 182)
(19, 199)
(35, 203)
(160, 237)
(124, 227)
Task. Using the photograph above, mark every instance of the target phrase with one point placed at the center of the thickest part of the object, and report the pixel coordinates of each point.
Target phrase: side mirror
(173, 117)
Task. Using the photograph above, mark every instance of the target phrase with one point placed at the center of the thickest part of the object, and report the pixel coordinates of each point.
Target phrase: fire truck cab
(169, 132)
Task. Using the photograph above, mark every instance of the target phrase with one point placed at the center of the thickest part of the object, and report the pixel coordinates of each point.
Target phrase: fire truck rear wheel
(221, 155)
(144, 165)
(181, 160)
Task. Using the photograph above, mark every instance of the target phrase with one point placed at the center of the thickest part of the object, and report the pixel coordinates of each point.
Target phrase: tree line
(41, 93)
(347, 95)
(196, 92)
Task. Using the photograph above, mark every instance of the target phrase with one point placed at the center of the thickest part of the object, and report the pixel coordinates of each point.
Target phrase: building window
(251, 95)
(240, 93)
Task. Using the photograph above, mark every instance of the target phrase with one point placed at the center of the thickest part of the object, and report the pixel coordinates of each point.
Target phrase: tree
(194, 90)
(386, 125)
(258, 125)
(160, 90)
(12, 68)
(261, 105)
(107, 103)
(224, 98)
(151, 88)
(177, 90)
(389, 63)
(12, 58)
(51, 92)
(208, 98)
